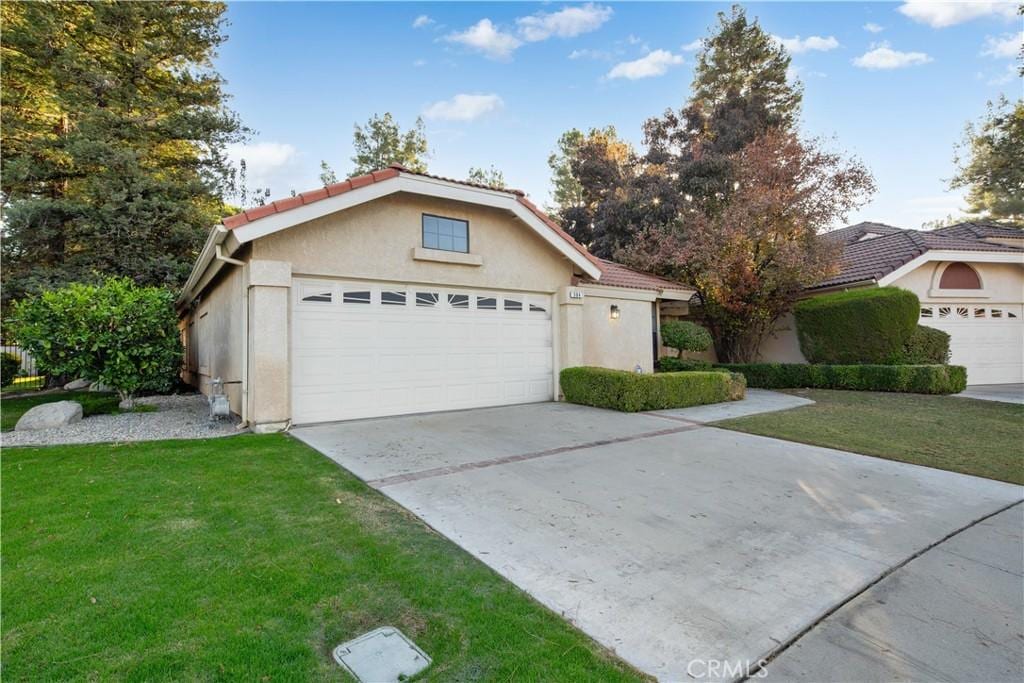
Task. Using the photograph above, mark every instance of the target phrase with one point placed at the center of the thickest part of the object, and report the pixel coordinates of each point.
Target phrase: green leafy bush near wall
(10, 365)
(911, 379)
(631, 392)
(859, 326)
(926, 346)
(115, 333)
(683, 335)
(670, 364)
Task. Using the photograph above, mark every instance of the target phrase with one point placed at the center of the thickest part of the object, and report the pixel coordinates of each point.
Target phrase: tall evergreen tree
(491, 176)
(113, 129)
(381, 143)
(990, 163)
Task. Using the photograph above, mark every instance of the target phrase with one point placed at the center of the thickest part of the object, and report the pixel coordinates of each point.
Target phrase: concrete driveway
(692, 552)
(1003, 393)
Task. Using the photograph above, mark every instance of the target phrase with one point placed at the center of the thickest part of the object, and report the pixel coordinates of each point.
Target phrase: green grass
(246, 558)
(982, 438)
(93, 403)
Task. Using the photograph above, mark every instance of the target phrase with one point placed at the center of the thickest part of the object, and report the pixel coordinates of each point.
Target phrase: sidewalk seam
(789, 642)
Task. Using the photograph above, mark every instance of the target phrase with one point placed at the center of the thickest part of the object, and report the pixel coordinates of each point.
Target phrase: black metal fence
(28, 377)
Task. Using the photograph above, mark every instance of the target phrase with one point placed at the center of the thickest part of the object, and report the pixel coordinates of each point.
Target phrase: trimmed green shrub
(912, 379)
(116, 333)
(670, 364)
(632, 392)
(683, 335)
(10, 366)
(858, 326)
(926, 346)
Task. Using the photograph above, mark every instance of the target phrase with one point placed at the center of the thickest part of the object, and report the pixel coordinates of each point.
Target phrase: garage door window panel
(356, 296)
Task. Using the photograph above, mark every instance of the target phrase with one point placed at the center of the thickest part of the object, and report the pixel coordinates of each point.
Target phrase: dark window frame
(423, 232)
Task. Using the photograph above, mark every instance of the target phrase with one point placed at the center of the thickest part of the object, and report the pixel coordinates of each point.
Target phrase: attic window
(959, 276)
(446, 234)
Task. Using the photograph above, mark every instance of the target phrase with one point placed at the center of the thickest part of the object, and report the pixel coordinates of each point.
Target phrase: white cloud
(872, 27)
(267, 164)
(587, 53)
(565, 23)
(463, 107)
(421, 21)
(884, 57)
(1008, 75)
(693, 45)
(939, 14)
(656, 63)
(1005, 47)
(420, 62)
(485, 37)
(796, 45)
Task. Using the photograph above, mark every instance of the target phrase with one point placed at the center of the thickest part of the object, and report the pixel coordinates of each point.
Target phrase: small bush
(858, 326)
(631, 392)
(682, 335)
(926, 346)
(118, 334)
(912, 379)
(669, 364)
(10, 366)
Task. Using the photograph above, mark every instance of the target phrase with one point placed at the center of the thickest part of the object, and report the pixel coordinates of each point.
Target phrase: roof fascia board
(414, 184)
(216, 237)
(951, 255)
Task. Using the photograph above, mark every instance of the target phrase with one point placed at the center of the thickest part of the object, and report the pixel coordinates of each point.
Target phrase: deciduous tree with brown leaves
(752, 255)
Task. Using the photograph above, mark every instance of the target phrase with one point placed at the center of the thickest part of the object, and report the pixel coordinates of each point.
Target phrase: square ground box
(383, 655)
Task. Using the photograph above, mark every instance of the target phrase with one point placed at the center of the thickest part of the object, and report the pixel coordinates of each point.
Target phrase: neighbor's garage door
(987, 340)
(366, 350)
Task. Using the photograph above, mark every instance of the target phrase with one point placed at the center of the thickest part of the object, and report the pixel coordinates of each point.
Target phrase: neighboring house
(399, 292)
(969, 278)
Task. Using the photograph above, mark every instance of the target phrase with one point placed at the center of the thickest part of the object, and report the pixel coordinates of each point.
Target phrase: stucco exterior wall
(376, 241)
(621, 343)
(1002, 283)
(215, 339)
(782, 344)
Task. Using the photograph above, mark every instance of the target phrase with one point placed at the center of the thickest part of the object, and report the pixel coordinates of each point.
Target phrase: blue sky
(497, 83)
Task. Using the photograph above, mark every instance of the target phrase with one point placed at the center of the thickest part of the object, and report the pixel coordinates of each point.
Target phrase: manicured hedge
(670, 364)
(632, 392)
(911, 379)
(858, 326)
(926, 346)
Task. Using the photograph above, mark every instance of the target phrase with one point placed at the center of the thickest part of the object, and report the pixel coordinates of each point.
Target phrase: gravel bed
(177, 417)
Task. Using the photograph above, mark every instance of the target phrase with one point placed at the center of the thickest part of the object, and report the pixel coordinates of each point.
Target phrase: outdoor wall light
(614, 314)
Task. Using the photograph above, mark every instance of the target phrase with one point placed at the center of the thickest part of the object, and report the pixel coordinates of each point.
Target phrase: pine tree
(381, 143)
(990, 163)
(113, 130)
(491, 177)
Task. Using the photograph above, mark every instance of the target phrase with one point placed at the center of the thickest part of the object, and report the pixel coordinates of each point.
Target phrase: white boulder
(50, 415)
(77, 384)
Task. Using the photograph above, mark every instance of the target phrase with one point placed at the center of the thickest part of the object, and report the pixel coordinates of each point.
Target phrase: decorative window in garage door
(398, 297)
(954, 312)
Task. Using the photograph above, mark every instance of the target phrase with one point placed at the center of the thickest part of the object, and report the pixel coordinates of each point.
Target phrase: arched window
(959, 276)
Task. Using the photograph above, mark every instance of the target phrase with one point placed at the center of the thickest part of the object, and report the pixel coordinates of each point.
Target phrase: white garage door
(366, 350)
(987, 340)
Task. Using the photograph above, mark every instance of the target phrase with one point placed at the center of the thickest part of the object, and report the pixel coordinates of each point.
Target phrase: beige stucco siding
(376, 240)
(216, 336)
(1002, 283)
(620, 343)
(782, 344)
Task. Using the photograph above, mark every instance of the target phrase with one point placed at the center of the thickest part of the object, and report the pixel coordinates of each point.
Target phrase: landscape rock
(50, 416)
(77, 385)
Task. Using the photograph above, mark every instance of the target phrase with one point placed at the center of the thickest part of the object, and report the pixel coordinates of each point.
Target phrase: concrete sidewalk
(955, 613)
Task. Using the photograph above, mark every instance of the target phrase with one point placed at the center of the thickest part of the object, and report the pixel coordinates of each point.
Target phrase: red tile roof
(617, 275)
(303, 198)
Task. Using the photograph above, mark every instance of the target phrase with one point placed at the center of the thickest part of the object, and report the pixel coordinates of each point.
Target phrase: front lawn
(982, 438)
(245, 558)
(93, 403)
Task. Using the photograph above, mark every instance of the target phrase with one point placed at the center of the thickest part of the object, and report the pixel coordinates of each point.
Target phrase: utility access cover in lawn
(383, 655)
